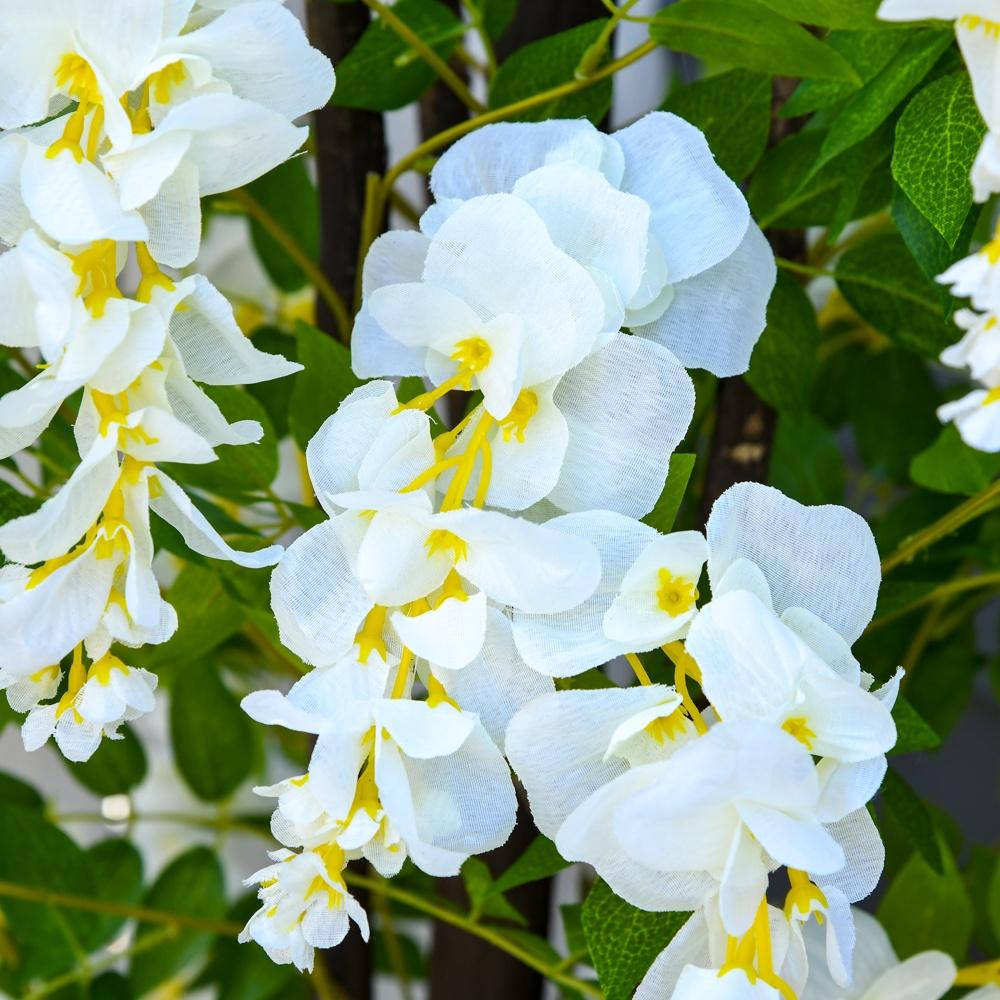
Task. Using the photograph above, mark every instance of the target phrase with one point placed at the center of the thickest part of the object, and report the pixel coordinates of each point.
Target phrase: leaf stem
(448, 76)
(947, 589)
(984, 501)
(287, 241)
(34, 894)
(484, 931)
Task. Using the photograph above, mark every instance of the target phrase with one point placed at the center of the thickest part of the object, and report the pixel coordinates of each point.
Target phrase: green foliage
(929, 248)
(912, 732)
(16, 792)
(734, 111)
(913, 817)
(211, 735)
(117, 869)
(486, 899)
(829, 13)
(664, 513)
(784, 361)
(806, 463)
(116, 767)
(949, 465)
(937, 139)
(924, 910)
(382, 72)
(883, 282)
(547, 63)
(539, 860)
(192, 885)
(748, 35)
(326, 380)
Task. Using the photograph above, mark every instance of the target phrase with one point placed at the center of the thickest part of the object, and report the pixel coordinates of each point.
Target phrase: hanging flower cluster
(119, 118)
(462, 570)
(976, 415)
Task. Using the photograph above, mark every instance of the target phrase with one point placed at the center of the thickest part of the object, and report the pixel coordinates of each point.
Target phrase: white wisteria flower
(305, 905)
(95, 705)
(878, 973)
(705, 271)
(979, 348)
(441, 785)
(977, 417)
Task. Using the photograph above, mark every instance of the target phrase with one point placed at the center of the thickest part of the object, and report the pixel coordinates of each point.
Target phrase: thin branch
(33, 894)
(945, 590)
(496, 937)
(287, 241)
(984, 501)
(448, 76)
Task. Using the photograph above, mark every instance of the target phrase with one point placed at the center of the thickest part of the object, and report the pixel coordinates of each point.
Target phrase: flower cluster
(118, 119)
(976, 415)
(461, 571)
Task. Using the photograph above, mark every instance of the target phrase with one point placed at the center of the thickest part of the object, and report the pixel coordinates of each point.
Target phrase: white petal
(620, 443)
(422, 731)
(744, 883)
(863, 852)
(450, 635)
(926, 976)
(791, 841)
(823, 559)
(173, 218)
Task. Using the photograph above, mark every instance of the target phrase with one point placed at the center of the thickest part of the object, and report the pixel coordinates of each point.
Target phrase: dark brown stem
(350, 146)
(744, 423)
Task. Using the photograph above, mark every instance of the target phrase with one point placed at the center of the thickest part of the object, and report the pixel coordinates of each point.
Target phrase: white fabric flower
(304, 905)
(878, 973)
(441, 782)
(111, 694)
(705, 266)
(979, 349)
(976, 277)
(25, 692)
(977, 417)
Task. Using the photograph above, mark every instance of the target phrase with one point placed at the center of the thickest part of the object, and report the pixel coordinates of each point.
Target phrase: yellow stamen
(802, 894)
(676, 594)
(667, 727)
(97, 269)
(77, 678)
(437, 695)
(799, 728)
(152, 276)
(164, 80)
(638, 669)
(453, 498)
(472, 355)
(516, 422)
(684, 667)
(101, 669)
(403, 674)
(452, 588)
(70, 141)
(974, 22)
(442, 540)
(993, 396)
(980, 974)
(369, 637)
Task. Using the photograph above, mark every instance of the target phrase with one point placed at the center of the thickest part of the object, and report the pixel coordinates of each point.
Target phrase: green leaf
(13, 504)
(539, 860)
(664, 513)
(117, 868)
(547, 63)
(212, 737)
(912, 732)
(734, 111)
(923, 910)
(937, 139)
(323, 384)
(884, 284)
(193, 885)
(289, 195)
(497, 15)
(783, 363)
(16, 792)
(208, 616)
(115, 768)
(382, 72)
(624, 940)
(866, 51)
(275, 395)
(240, 467)
(993, 900)
(928, 247)
(110, 986)
(829, 13)
(880, 96)
(485, 899)
(35, 853)
(806, 463)
(949, 465)
(746, 34)
(914, 818)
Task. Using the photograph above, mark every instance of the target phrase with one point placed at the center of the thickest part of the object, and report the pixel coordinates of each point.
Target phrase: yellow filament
(974, 22)
(442, 540)
(77, 678)
(162, 82)
(97, 269)
(403, 674)
(452, 588)
(980, 974)
(72, 136)
(369, 637)
(799, 728)
(516, 422)
(485, 473)
(802, 893)
(432, 473)
(463, 473)
(684, 667)
(152, 276)
(667, 727)
(443, 442)
(437, 695)
(765, 961)
(75, 76)
(94, 136)
(638, 669)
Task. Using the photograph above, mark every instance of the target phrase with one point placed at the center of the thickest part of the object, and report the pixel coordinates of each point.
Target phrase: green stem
(478, 25)
(34, 894)
(448, 76)
(89, 970)
(251, 207)
(972, 508)
(794, 265)
(487, 933)
(596, 52)
(944, 590)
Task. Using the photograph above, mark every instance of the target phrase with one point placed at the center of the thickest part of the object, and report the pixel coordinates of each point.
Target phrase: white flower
(979, 349)
(603, 735)
(706, 270)
(977, 277)
(439, 786)
(977, 417)
(25, 692)
(305, 905)
(985, 175)
(879, 975)
(97, 702)
(754, 667)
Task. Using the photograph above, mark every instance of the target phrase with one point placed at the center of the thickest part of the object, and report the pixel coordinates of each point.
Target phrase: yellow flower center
(472, 355)
(676, 594)
(516, 422)
(97, 269)
(974, 22)
(799, 728)
(100, 670)
(667, 727)
(442, 540)
(802, 894)
(76, 77)
(993, 396)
